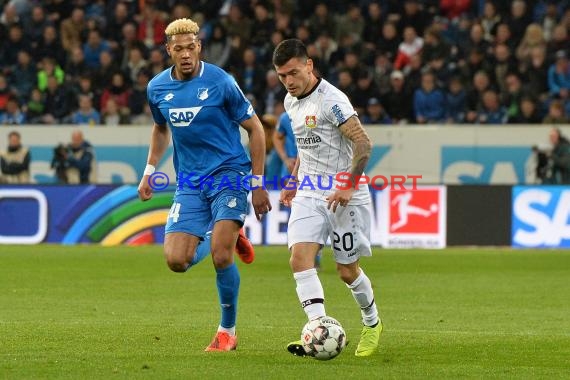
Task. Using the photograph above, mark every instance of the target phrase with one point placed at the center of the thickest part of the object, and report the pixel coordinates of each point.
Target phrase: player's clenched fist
(145, 191)
(260, 202)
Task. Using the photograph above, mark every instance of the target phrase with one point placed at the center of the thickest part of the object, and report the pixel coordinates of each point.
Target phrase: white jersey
(323, 150)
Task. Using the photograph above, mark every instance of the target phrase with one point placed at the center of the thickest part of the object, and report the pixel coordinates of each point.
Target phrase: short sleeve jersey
(323, 150)
(204, 114)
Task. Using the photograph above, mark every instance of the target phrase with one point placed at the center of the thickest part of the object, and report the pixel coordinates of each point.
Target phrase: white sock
(362, 292)
(310, 293)
(229, 330)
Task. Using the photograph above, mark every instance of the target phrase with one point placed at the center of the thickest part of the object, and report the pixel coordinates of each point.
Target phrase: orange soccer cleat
(223, 342)
(244, 248)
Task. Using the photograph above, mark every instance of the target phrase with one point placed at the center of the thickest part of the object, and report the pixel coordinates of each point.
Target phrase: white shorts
(348, 228)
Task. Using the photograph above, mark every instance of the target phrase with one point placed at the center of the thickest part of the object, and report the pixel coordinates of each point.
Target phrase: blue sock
(202, 250)
(227, 280)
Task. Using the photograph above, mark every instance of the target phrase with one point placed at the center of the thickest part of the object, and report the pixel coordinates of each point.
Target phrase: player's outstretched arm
(159, 141)
(259, 196)
(361, 148)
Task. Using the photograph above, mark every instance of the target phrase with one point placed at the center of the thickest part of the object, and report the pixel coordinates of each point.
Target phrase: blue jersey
(204, 114)
(286, 130)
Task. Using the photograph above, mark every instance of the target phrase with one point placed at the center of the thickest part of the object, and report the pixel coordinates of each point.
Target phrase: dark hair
(288, 49)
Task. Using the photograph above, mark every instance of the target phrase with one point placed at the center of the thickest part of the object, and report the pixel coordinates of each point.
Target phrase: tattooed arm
(361, 148)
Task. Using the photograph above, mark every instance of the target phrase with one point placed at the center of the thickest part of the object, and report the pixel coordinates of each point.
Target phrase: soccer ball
(323, 338)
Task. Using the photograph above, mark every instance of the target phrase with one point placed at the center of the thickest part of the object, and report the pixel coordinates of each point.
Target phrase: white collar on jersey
(200, 75)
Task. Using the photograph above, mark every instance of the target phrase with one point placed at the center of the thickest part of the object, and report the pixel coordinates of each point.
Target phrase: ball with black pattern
(323, 338)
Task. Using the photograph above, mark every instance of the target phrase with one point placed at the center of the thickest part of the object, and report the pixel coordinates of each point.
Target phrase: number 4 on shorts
(174, 212)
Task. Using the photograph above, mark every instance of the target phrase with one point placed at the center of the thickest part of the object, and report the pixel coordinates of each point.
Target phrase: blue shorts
(195, 211)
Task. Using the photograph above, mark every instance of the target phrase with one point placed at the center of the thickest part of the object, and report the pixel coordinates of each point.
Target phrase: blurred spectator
(491, 112)
(389, 42)
(12, 114)
(322, 21)
(217, 49)
(5, 92)
(489, 20)
(381, 72)
(151, 26)
(529, 114)
(49, 46)
(274, 93)
(93, 48)
(35, 25)
(475, 62)
(533, 38)
(560, 157)
(414, 16)
(135, 64)
(137, 98)
(364, 90)
(119, 17)
(23, 76)
(119, 92)
(156, 62)
(429, 101)
(559, 76)
(49, 68)
(399, 100)
(251, 76)
(34, 108)
(375, 113)
(57, 102)
(76, 65)
(513, 94)
(518, 20)
(71, 29)
(75, 162)
(504, 36)
(261, 29)
(128, 41)
(556, 114)
(504, 63)
(481, 83)
(456, 101)
(15, 161)
(559, 42)
(410, 46)
(237, 24)
(535, 73)
(112, 116)
(10, 47)
(352, 23)
(86, 114)
(454, 8)
(285, 144)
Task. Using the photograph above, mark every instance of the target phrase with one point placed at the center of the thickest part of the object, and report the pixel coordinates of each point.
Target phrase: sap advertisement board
(439, 154)
(113, 215)
(541, 216)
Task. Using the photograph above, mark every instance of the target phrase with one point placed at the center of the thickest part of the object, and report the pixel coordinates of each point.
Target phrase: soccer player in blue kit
(203, 107)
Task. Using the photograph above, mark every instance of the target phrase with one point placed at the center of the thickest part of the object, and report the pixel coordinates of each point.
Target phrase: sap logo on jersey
(182, 117)
(541, 216)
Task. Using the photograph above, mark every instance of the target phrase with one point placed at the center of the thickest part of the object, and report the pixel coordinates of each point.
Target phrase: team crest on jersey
(311, 121)
(202, 93)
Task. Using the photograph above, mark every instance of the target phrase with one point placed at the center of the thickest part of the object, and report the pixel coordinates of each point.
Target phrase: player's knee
(222, 258)
(176, 262)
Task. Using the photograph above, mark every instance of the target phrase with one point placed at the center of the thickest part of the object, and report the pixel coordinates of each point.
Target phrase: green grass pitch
(87, 312)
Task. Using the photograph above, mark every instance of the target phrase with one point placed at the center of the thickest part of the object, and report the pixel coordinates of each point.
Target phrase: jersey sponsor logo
(202, 93)
(311, 121)
(413, 212)
(337, 112)
(541, 217)
(169, 96)
(182, 117)
(310, 142)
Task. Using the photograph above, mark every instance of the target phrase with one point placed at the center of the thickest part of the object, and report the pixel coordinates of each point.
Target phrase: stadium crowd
(412, 61)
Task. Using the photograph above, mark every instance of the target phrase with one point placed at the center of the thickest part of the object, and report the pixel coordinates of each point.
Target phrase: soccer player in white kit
(330, 140)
